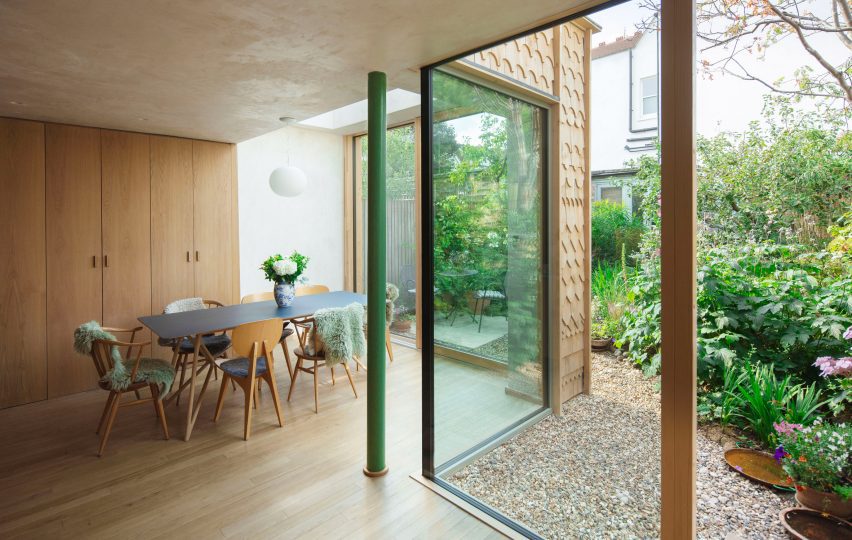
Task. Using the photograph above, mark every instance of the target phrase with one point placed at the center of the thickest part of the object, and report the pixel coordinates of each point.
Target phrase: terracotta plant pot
(401, 325)
(601, 344)
(830, 503)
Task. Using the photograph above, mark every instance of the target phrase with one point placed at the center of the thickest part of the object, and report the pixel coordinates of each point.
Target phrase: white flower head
(284, 267)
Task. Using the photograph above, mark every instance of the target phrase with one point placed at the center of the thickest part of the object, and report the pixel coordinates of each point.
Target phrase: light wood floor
(300, 481)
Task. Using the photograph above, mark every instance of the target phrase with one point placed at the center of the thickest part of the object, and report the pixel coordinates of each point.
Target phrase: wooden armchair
(310, 363)
(132, 354)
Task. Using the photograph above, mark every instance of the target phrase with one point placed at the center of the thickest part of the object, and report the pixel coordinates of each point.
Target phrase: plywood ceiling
(226, 70)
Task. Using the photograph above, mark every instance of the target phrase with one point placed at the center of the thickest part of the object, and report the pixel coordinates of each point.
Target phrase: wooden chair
(253, 343)
(184, 349)
(102, 357)
(306, 290)
(286, 331)
(316, 361)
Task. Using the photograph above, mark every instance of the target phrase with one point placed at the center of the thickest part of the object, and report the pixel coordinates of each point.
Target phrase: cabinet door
(214, 253)
(23, 343)
(74, 276)
(172, 275)
(126, 211)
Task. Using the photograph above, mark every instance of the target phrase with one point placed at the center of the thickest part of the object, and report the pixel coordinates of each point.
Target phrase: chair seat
(300, 352)
(216, 344)
(239, 367)
(151, 371)
(493, 295)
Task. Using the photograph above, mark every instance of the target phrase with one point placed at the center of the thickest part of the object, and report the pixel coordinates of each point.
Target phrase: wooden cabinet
(212, 165)
(73, 256)
(23, 318)
(126, 233)
(171, 221)
(108, 226)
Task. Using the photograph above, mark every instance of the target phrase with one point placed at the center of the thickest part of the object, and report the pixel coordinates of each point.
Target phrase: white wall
(311, 223)
(610, 101)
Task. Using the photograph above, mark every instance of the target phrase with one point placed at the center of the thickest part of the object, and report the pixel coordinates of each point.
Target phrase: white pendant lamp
(288, 181)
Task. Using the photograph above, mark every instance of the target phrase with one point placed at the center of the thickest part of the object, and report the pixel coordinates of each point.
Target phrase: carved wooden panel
(529, 60)
(573, 217)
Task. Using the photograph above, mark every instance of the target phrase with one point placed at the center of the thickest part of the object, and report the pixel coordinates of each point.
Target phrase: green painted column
(376, 271)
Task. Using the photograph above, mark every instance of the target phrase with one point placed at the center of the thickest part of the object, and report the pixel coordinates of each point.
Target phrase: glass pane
(612, 194)
(488, 159)
(401, 231)
(649, 86)
(649, 105)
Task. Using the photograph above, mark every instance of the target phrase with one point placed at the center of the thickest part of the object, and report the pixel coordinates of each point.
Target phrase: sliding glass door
(401, 224)
(486, 359)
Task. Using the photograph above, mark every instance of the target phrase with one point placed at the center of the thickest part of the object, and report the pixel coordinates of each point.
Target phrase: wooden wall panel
(126, 213)
(212, 165)
(23, 319)
(574, 183)
(73, 227)
(172, 270)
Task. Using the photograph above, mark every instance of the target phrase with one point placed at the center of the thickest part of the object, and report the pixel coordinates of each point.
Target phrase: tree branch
(838, 76)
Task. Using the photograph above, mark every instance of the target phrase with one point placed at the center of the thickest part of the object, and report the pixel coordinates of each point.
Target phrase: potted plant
(819, 460)
(603, 328)
(283, 272)
(402, 323)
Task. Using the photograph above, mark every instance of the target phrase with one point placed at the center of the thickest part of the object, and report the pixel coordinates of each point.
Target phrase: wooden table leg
(200, 352)
(190, 421)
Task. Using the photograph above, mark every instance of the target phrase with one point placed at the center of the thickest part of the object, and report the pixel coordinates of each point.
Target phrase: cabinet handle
(187, 256)
(106, 262)
(196, 255)
(94, 261)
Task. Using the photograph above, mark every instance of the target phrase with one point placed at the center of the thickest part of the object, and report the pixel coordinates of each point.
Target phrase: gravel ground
(594, 472)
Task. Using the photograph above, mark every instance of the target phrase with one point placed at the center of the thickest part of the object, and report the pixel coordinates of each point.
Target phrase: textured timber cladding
(529, 60)
(573, 210)
(555, 61)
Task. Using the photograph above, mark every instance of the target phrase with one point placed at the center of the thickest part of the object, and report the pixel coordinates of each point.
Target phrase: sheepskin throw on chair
(339, 332)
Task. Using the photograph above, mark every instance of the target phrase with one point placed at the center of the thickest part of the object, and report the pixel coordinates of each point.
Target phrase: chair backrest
(264, 334)
(190, 304)
(102, 351)
(257, 297)
(305, 290)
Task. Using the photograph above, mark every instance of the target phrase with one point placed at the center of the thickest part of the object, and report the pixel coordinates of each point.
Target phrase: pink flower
(786, 428)
(848, 333)
(829, 366)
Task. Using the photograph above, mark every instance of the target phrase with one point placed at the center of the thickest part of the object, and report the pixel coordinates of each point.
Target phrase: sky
(724, 102)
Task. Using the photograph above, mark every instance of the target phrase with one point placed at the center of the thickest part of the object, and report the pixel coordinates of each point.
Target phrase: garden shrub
(774, 304)
(613, 229)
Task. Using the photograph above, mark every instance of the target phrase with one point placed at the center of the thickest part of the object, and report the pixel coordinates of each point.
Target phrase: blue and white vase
(284, 294)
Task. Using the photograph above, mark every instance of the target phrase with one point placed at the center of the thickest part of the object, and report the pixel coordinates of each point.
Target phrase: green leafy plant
(614, 230)
(818, 457)
(280, 269)
(764, 400)
(723, 403)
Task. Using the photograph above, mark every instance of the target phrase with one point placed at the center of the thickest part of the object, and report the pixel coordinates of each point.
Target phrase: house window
(649, 95)
(612, 194)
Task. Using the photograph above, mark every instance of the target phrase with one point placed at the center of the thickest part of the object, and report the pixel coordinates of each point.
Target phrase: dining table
(194, 325)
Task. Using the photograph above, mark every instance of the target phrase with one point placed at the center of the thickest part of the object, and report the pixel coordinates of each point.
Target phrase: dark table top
(205, 321)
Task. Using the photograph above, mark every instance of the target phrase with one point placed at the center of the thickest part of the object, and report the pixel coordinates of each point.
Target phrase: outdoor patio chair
(488, 295)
